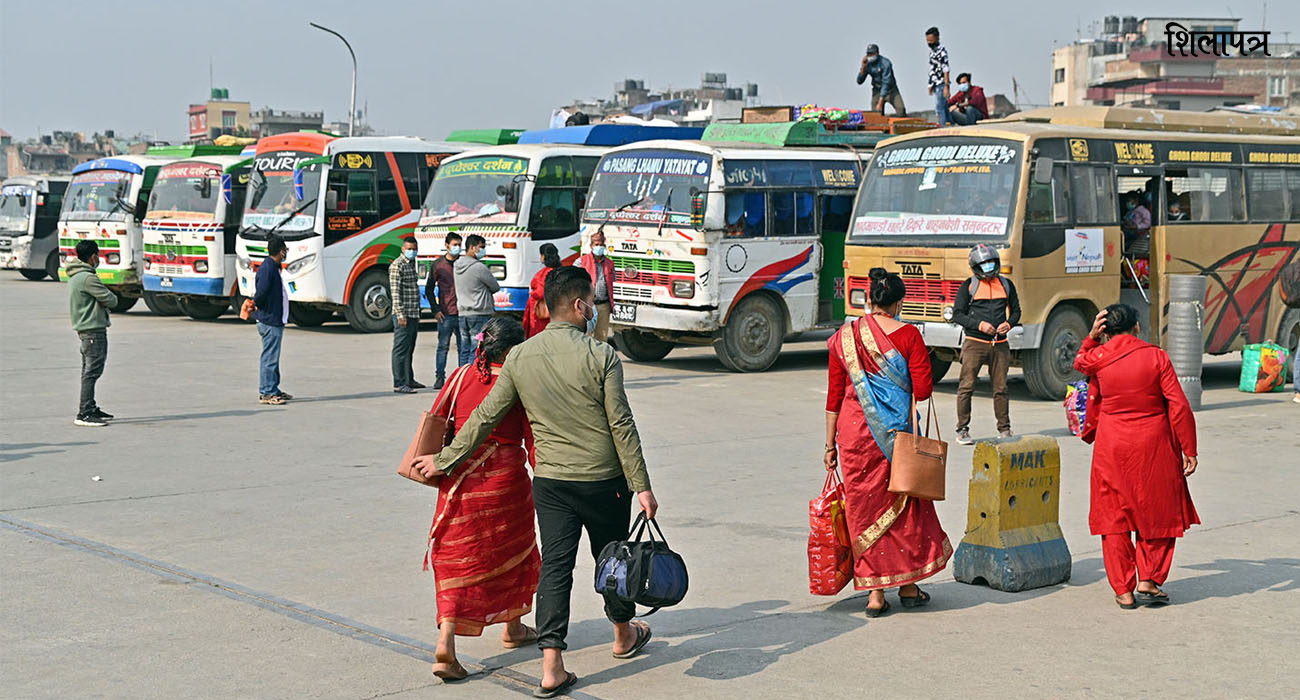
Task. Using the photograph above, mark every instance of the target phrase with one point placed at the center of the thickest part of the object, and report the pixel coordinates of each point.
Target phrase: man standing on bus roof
(271, 299)
(884, 88)
(441, 286)
(404, 288)
(987, 307)
(938, 80)
(601, 269)
(88, 304)
(475, 286)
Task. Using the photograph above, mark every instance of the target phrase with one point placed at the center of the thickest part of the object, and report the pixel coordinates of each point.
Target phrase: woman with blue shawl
(877, 365)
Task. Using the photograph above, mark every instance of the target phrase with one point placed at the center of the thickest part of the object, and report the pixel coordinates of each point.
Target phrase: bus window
(390, 202)
(746, 215)
(1265, 194)
(584, 167)
(553, 213)
(1047, 203)
(410, 165)
(234, 211)
(1207, 194)
(792, 213)
(355, 189)
(1293, 191)
(1090, 191)
(556, 171)
(836, 212)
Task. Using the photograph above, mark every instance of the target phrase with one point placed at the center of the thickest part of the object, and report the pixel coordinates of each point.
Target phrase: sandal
(529, 638)
(1158, 599)
(451, 672)
(877, 612)
(921, 599)
(642, 637)
(544, 692)
(1126, 606)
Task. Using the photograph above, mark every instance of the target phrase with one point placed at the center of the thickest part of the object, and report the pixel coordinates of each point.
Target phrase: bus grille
(928, 295)
(679, 267)
(627, 291)
(164, 269)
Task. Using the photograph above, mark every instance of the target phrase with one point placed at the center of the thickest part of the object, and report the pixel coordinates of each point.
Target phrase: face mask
(961, 87)
(598, 251)
(933, 45)
(410, 254)
(591, 322)
(873, 59)
(455, 250)
(987, 267)
(480, 254)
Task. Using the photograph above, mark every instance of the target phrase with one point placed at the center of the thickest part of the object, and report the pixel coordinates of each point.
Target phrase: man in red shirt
(967, 105)
(601, 268)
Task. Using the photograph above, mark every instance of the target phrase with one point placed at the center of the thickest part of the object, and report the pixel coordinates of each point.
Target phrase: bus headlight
(858, 298)
(947, 313)
(243, 262)
(148, 263)
(684, 289)
(300, 264)
(113, 259)
(200, 265)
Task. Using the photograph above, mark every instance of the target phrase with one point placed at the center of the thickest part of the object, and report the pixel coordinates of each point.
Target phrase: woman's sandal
(1158, 599)
(877, 612)
(529, 639)
(1126, 606)
(921, 599)
(450, 672)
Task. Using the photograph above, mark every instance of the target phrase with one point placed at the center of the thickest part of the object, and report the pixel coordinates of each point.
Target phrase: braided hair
(498, 336)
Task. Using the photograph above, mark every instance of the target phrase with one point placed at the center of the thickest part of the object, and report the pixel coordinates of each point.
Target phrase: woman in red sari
(483, 545)
(535, 314)
(878, 366)
(1144, 451)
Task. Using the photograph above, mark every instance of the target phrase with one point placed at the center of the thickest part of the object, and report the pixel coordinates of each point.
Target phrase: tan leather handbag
(917, 469)
(434, 432)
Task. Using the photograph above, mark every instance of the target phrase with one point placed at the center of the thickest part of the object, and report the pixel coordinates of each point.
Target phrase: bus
(189, 231)
(29, 218)
(1047, 188)
(736, 241)
(520, 196)
(105, 202)
(343, 205)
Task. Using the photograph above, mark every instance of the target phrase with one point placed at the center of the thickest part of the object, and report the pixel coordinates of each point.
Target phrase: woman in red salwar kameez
(878, 365)
(483, 545)
(536, 315)
(1144, 451)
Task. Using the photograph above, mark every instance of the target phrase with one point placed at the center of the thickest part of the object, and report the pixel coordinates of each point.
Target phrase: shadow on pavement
(1233, 577)
(24, 450)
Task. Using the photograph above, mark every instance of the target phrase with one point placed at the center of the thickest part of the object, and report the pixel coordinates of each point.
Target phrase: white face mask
(598, 251)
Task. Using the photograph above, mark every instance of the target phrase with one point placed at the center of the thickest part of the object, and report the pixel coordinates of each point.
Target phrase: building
(712, 101)
(61, 151)
(1127, 64)
(218, 116)
(269, 122)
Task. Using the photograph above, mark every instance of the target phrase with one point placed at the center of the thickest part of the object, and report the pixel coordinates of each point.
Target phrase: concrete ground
(232, 550)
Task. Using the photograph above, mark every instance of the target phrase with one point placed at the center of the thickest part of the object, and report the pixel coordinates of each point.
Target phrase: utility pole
(352, 103)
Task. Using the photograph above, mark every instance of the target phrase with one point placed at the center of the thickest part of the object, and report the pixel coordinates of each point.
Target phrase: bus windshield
(186, 190)
(16, 203)
(946, 190)
(639, 186)
(470, 190)
(97, 195)
(271, 199)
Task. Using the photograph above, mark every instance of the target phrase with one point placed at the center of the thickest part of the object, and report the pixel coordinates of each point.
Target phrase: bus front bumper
(200, 286)
(951, 335)
(15, 252)
(671, 320)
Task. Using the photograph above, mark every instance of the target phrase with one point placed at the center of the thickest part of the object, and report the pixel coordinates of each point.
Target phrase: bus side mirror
(22, 201)
(331, 200)
(1043, 170)
(205, 188)
(510, 193)
(697, 211)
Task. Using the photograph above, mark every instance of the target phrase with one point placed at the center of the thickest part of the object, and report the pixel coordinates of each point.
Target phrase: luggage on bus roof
(610, 134)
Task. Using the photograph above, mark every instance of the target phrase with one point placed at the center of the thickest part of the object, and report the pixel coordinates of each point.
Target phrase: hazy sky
(428, 67)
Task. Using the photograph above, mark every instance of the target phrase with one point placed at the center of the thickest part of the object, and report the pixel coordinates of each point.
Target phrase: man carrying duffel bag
(641, 572)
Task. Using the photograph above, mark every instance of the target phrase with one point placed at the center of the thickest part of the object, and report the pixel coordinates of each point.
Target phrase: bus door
(834, 211)
(354, 195)
(1141, 203)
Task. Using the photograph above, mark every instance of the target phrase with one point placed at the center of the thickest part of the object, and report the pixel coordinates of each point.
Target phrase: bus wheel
(751, 341)
(162, 305)
(52, 265)
(938, 368)
(370, 304)
(35, 275)
(1051, 366)
(308, 316)
(124, 304)
(203, 309)
(640, 346)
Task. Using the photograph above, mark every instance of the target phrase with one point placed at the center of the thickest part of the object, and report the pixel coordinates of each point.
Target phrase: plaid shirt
(938, 66)
(404, 286)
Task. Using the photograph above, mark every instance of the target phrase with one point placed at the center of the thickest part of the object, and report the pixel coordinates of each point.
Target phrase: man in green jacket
(88, 304)
(588, 459)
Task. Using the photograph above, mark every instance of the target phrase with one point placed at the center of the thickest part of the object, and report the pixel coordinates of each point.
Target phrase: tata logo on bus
(913, 269)
(352, 161)
(1135, 153)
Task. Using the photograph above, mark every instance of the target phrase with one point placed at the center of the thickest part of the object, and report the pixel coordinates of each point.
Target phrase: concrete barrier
(1013, 541)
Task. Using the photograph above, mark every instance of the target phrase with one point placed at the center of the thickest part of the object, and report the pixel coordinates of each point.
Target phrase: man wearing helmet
(987, 307)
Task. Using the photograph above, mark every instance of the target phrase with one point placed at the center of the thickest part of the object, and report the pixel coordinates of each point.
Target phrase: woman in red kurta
(535, 314)
(482, 544)
(1145, 448)
(878, 365)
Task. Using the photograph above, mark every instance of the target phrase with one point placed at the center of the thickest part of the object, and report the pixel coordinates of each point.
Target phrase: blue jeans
(449, 326)
(970, 116)
(941, 106)
(466, 343)
(269, 374)
(1295, 372)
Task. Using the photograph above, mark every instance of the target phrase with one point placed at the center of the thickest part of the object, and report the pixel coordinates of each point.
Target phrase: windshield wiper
(118, 203)
(289, 218)
(667, 208)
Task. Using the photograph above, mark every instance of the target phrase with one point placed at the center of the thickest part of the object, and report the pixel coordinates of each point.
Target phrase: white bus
(189, 232)
(523, 195)
(736, 241)
(343, 206)
(29, 223)
(106, 202)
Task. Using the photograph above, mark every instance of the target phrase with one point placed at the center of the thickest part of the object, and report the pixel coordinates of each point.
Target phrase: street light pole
(352, 104)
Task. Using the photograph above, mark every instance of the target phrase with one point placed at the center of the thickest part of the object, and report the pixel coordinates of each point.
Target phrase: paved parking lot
(228, 549)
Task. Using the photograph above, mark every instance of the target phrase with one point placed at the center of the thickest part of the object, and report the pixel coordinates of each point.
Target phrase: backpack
(642, 572)
(974, 285)
(1288, 285)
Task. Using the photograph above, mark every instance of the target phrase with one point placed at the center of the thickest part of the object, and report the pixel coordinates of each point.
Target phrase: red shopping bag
(830, 559)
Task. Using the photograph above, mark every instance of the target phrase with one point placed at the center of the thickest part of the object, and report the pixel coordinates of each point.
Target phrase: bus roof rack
(1144, 119)
(490, 137)
(610, 134)
(194, 150)
(800, 133)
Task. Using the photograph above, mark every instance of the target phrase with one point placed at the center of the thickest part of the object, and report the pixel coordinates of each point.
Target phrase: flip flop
(454, 672)
(1127, 606)
(877, 612)
(921, 599)
(529, 639)
(642, 636)
(542, 692)
(1151, 600)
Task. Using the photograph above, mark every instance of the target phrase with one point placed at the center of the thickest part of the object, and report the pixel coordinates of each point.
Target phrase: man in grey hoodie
(475, 286)
(88, 304)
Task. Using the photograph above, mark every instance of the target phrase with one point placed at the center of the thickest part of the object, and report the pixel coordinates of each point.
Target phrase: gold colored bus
(1049, 189)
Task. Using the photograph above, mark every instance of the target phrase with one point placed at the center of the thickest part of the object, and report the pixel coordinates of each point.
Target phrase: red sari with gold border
(896, 540)
(483, 544)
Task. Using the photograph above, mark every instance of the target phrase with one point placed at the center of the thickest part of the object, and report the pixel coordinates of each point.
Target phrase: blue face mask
(598, 251)
(455, 250)
(591, 322)
(988, 267)
(482, 253)
(961, 87)
(410, 254)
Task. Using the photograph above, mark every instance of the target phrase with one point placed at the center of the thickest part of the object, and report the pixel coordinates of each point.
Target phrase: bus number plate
(624, 313)
(165, 282)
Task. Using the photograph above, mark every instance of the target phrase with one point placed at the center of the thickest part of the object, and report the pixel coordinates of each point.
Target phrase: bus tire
(640, 346)
(162, 305)
(201, 309)
(1050, 366)
(124, 304)
(752, 338)
(52, 265)
(938, 368)
(306, 316)
(35, 275)
(371, 304)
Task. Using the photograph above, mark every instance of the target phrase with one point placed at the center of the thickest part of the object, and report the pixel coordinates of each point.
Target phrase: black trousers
(94, 353)
(564, 509)
(404, 351)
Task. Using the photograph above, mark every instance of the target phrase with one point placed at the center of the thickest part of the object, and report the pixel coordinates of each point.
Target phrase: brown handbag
(917, 468)
(434, 433)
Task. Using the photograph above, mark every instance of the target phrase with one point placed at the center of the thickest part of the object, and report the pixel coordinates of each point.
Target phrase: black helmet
(979, 256)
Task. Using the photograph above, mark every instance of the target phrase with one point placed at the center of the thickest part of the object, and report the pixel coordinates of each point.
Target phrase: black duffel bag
(643, 572)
